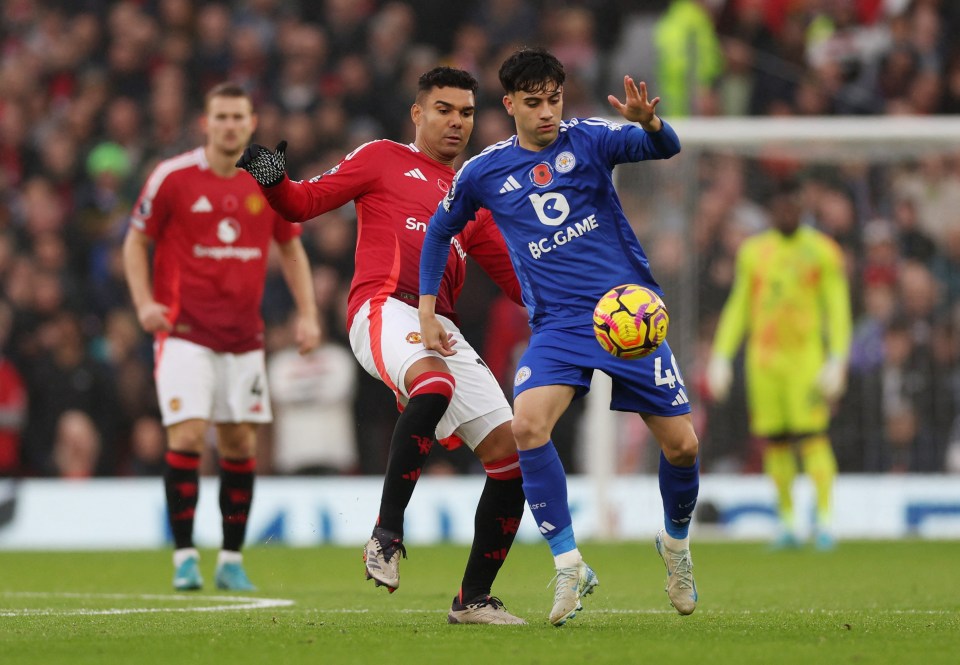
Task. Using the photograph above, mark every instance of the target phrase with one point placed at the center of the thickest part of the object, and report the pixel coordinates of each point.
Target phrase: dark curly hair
(446, 77)
(531, 70)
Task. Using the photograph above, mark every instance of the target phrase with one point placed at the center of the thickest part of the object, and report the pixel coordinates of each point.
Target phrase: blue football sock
(679, 487)
(545, 486)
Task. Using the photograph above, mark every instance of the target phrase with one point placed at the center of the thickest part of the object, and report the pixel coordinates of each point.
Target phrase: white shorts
(195, 382)
(386, 341)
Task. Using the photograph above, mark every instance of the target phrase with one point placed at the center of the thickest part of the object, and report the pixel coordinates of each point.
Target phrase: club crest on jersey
(175, 404)
(414, 337)
(541, 175)
(565, 162)
(254, 204)
(448, 199)
(317, 178)
(228, 230)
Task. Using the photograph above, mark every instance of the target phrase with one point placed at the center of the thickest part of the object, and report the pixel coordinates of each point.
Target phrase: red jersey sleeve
(152, 209)
(485, 245)
(348, 180)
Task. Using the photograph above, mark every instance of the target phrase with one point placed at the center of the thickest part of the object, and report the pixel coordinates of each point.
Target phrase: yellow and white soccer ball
(630, 321)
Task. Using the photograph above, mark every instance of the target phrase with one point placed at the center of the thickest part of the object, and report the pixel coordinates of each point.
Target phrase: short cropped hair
(446, 77)
(531, 70)
(226, 89)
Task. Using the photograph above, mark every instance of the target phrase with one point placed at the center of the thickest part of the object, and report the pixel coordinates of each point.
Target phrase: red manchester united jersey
(211, 237)
(396, 189)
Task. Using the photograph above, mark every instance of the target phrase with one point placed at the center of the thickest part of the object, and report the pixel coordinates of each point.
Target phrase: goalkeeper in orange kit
(791, 302)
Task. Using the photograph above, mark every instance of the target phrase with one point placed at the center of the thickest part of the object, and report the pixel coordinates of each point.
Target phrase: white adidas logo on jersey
(511, 185)
(201, 205)
(415, 173)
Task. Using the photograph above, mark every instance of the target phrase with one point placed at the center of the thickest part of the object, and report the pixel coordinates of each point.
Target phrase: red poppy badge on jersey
(541, 175)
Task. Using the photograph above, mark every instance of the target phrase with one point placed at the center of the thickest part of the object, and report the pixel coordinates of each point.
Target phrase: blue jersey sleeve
(626, 143)
(455, 210)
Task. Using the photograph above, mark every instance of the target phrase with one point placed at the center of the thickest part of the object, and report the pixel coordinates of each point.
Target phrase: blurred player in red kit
(396, 188)
(211, 229)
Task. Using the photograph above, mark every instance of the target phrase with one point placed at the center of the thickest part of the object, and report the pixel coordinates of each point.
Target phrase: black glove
(266, 167)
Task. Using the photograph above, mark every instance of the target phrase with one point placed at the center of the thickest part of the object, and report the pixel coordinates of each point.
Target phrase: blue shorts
(650, 385)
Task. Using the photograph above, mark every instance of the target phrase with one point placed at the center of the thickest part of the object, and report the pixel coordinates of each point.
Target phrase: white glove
(719, 377)
(833, 379)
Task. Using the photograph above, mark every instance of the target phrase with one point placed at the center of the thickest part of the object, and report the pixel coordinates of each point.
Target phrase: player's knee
(683, 449)
(433, 383)
(504, 468)
(530, 431)
(237, 441)
(497, 445)
(187, 437)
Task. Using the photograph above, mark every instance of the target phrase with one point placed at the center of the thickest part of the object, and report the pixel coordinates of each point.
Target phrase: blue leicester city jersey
(559, 213)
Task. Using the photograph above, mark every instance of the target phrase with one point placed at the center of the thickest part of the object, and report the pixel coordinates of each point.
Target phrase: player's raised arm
(300, 201)
(657, 141)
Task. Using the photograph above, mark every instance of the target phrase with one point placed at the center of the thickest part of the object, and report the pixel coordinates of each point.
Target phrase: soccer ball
(630, 321)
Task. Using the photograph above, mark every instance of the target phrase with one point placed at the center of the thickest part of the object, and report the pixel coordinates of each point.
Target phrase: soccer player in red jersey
(211, 229)
(396, 188)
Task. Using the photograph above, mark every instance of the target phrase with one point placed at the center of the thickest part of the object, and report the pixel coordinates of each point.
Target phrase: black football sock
(236, 494)
(495, 526)
(413, 437)
(181, 480)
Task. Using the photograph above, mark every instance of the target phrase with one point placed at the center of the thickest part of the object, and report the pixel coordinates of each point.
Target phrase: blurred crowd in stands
(94, 92)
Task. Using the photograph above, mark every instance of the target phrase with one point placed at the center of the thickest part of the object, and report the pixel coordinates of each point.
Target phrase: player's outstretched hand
(637, 108)
(267, 168)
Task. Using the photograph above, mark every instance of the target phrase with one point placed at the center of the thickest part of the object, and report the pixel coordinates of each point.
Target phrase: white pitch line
(601, 610)
(229, 604)
(234, 603)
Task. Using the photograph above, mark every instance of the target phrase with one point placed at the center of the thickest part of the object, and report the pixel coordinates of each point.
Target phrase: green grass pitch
(867, 602)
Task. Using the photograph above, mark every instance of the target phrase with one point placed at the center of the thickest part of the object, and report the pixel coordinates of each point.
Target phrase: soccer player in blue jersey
(550, 189)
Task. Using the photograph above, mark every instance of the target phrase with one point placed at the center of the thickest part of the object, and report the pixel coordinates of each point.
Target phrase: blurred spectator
(65, 378)
(13, 401)
(913, 242)
(946, 267)
(688, 56)
(313, 396)
(76, 446)
(148, 445)
(507, 23)
(880, 254)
